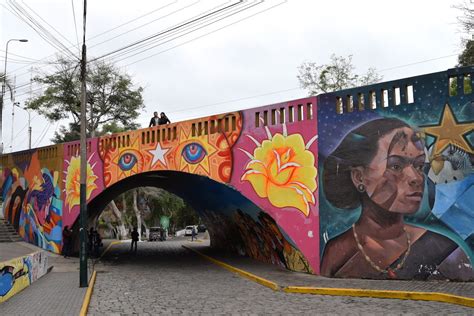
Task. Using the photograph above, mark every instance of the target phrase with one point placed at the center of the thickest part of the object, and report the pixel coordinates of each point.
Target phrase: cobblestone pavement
(164, 278)
(284, 277)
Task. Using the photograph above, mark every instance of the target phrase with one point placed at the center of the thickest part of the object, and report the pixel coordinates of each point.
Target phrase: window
(410, 96)
(453, 86)
(282, 115)
(349, 103)
(361, 101)
(397, 99)
(300, 112)
(265, 118)
(199, 130)
(372, 100)
(338, 105)
(257, 119)
(309, 111)
(467, 84)
(226, 124)
(273, 118)
(213, 127)
(385, 98)
(234, 123)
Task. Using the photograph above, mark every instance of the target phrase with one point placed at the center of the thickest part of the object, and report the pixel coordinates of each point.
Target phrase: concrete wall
(397, 182)
(17, 274)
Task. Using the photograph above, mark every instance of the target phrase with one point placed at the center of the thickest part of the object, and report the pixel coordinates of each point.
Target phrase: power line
(193, 29)
(417, 62)
(206, 34)
(26, 17)
(75, 25)
(164, 32)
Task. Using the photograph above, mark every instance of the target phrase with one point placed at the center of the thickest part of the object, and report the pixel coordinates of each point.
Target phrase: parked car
(189, 230)
(156, 233)
(201, 228)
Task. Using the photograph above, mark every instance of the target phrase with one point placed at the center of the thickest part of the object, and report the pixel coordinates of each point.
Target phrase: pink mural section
(275, 166)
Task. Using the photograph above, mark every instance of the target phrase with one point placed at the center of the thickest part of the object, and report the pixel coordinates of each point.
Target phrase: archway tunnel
(234, 222)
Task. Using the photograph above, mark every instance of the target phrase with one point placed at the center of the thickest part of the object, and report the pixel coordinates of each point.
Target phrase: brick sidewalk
(11, 250)
(285, 278)
(57, 293)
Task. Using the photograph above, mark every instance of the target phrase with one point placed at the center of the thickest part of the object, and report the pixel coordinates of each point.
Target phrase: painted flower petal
(258, 180)
(307, 192)
(288, 196)
(256, 165)
(306, 175)
(296, 142)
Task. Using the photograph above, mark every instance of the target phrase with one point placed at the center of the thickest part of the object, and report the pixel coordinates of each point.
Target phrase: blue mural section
(396, 177)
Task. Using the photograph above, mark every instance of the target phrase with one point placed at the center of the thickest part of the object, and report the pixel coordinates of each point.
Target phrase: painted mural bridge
(374, 182)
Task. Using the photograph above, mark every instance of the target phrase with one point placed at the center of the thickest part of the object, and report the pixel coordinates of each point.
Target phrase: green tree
(466, 19)
(110, 94)
(338, 74)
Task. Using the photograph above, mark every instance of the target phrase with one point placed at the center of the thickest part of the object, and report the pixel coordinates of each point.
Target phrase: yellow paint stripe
(402, 295)
(248, 275)
(108, 248)
(87, 297)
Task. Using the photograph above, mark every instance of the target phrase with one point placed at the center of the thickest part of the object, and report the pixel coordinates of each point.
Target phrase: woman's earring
(361, 188)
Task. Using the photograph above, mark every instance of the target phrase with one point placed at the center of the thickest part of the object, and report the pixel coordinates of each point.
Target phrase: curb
(248, 275)
(401, 295)
(87, 297)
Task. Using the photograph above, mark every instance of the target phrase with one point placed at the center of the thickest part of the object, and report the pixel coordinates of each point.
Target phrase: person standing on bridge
(154, 120)
(163, 119)
(134, 239)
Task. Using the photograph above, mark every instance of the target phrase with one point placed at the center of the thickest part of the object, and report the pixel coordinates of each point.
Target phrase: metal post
(83, 280)
(4, 82)
(29, 129)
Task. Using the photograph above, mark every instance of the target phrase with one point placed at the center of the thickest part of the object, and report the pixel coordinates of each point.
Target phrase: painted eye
(193, 153)
(127, 161)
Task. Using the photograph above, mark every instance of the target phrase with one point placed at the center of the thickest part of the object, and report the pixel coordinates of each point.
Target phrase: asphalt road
(164, 278)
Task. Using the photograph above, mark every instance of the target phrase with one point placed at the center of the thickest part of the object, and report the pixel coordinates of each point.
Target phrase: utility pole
(83, 280)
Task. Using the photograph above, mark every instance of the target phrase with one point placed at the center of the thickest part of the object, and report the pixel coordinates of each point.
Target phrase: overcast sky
(254, 61)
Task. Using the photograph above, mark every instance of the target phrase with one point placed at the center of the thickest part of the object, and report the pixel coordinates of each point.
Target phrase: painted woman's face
(394, 179)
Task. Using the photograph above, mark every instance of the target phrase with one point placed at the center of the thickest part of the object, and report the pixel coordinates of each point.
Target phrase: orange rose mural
(282, 170)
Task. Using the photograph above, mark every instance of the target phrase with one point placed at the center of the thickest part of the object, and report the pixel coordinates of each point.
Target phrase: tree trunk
(137, 214)
(147, 230)
(122, 232)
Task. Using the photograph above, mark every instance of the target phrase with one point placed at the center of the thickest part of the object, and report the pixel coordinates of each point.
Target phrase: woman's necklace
(390, 272)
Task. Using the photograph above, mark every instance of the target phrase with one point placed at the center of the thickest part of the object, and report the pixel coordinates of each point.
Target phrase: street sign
(165, 222)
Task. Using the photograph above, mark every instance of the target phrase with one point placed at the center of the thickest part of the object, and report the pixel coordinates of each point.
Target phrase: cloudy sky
(249, 59)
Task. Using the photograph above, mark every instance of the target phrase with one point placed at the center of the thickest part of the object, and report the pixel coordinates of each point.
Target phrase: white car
(189, 230)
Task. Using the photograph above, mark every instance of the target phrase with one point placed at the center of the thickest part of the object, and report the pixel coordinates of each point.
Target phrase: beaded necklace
(389, 271)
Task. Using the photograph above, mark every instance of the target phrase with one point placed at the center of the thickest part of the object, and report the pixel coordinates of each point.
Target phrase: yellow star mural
(449, 131)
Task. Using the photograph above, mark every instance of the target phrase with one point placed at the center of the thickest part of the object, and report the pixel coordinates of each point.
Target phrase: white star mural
(158, 154)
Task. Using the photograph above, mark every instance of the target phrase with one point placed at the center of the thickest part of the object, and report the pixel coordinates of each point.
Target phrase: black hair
(358, 148)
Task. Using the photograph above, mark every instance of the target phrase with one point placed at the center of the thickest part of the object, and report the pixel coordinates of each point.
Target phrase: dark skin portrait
(389, 186)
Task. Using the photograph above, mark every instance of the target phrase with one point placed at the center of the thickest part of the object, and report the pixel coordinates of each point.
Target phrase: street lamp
(4, 81)
(17, 104)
